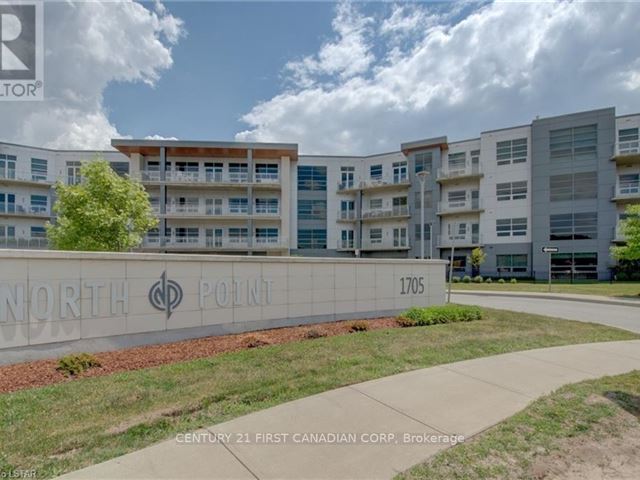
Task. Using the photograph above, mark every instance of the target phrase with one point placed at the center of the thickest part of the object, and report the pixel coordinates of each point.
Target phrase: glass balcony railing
(382, 213)
(462, 205)
(204, 177)
(230, 243)
(466, 170)
(38, 243)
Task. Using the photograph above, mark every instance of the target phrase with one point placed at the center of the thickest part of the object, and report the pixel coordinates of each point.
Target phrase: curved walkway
(585, 308)
(462, 398)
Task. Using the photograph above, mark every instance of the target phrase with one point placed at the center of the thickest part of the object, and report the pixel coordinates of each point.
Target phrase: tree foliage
(478, 257)
(631, 231)
(104, 212)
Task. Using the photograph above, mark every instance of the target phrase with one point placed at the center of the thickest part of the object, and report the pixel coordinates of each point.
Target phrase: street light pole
(453, 250)
(422, 176)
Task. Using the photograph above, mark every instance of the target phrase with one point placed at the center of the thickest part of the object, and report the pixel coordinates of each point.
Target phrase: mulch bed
(43, 372)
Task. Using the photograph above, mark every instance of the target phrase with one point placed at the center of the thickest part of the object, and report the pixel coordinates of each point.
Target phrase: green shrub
(466, 279)
(477, 279)
(77, 363)
(359, 326)
(419, 316)
(501, 280)
(488, 280)
(455, 279)
(513, 280)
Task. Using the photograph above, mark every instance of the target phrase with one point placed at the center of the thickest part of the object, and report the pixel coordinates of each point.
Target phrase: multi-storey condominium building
(562, 181)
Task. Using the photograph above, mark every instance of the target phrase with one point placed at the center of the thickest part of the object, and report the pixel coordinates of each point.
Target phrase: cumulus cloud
(159, 137)
(87, 46)
(454, 72)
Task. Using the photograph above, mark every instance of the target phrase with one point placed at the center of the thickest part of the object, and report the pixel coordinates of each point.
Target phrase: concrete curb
(552, 296)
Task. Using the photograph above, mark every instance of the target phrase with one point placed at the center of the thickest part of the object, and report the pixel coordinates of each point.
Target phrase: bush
(501, 280)
(311, 334)
(466, 279)
(513, 280)
(455, 279)
(488, 280)
(76, 363)
(359, 326)
(419, 316)
(477, 279)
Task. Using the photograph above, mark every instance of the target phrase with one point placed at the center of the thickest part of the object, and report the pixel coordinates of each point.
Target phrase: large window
(312, 238)
(7, 166)
(347, 177)
(187, 234)
(457, 161)
(312, 209)
(238, 205)
(347, 239)
(424, 162)
(312, 178)
(266, 172)
(629, 183)
(375, 235)
(266, 205)
(38, 232)
(628, 141)
(579, 265)
(238, 235)
(511, 191)
(400, 173)
(238, 172)
(578, 143)
(39, 203)
(573, 186)
(38, 169)
(375, 172)
(457, 198)
(511, 263)
(511, 151)
(73, 173)
(7, 203)
(428, 200)
(427, 231)
(511, 227)
(266, 235)
(7, 231)
(573, 226)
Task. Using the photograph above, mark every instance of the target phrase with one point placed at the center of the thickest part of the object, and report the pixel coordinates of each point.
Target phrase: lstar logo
(165, 294)
(21, 50)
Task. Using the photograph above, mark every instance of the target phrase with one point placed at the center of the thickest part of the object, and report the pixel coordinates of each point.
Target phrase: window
(573, 186)
(457, 161)
(39, 203)
(238, 235)
(375, 203)
(7, 231)
(375, 235)
(213, 172)
(457, 198)
(347, 175)
(266, 172)
(628, 141)
(312, 209)
(38, 169)
(457, 231)
(427, 231)
(238, 205)
(400, 237)
(346, 239)
(579, 265)
(511, 151)
(459, 263)
(73, 173)
(424, 162)
(629, 184)
(312, 238)
(7, 203)
(400, 172)
(578, 143)
(187, 234)
(428, 200)
(375, 172)
(7, 166)
(312, 178)
(122, 168)
(267, 205)
(38, 232)
(573, 226)
(511, 263)
(511, 191)
(238, 172)
(266, 235)
(511, 227)
(475, 157)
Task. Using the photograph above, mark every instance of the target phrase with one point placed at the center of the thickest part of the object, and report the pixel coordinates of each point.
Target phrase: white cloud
(159, 137)
(457, 74)
(88, 45)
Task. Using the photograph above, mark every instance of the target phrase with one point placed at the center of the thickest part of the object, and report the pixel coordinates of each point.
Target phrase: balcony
(459, 241)
(345, 244)
(12, 209)
(346, 216)
(24, 243)
(203, 178)
(400, 182)
(195, 210)
(215, 243)
(467, 171)
(385, 213)
(25, 177)
(467, 205)
(385, 244)
(626, 193)
(627, 153)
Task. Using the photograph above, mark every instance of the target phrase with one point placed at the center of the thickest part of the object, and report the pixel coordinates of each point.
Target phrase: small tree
(477, 258)
(104, 212)
(629, 253)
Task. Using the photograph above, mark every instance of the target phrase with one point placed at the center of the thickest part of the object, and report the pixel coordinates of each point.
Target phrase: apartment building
(561, 181)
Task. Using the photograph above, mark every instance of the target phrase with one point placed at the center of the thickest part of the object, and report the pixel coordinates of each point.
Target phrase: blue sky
(336, 78)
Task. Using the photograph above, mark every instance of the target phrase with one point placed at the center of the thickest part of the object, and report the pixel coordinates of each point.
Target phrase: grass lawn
(66, 426)
(580, 431)
(617, 289)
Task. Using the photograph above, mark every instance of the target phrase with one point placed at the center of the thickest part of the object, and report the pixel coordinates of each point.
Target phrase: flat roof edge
(125, 142)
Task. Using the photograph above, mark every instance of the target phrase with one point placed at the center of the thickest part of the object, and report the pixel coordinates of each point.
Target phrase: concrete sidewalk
(462, 398)
(575, 297)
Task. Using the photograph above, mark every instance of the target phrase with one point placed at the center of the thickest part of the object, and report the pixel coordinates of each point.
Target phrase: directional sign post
(549, 251)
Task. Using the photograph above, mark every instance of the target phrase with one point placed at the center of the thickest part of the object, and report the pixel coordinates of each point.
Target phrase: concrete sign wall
(51, 302)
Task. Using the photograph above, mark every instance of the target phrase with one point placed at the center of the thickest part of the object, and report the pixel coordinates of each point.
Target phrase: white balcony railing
(347, 215)
(386, 244)
(197, 177)
(460, 240)
(628, 148)
(38, 243)
(463, 205)
(382, 182)
(228, 243)
(630, 190)
(196, 209)
(376, 213)
(25, 176)
(468, 169)
(13, 209)
(345, 244)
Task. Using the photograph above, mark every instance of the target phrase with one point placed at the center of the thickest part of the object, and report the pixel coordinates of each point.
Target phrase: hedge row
(419, 316)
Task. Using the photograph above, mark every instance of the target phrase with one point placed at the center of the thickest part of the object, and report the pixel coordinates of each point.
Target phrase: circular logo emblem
(165, 294)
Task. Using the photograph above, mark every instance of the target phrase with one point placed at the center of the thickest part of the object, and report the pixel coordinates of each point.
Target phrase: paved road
(627, 318)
